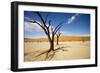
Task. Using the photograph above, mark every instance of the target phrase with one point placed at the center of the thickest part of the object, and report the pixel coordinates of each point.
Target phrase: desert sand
(74, 50)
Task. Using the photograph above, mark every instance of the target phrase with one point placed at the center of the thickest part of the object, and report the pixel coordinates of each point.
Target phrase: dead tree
(83, 39)
(58, 35)
(49, 31)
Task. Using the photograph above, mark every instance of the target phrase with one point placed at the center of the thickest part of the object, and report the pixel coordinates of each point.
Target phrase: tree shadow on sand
(49, 55)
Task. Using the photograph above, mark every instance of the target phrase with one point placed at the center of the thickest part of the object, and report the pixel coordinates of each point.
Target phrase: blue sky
(75, 24)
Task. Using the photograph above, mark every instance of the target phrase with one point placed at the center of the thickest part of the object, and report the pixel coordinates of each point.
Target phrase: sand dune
(61, 39)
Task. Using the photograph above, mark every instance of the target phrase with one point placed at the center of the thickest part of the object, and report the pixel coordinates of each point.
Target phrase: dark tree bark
(58, 35)
(51, 46)
(83, 39)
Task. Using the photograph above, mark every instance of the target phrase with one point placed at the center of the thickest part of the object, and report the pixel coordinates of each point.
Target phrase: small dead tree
(58, 35)
(82, 39)
(49, 31)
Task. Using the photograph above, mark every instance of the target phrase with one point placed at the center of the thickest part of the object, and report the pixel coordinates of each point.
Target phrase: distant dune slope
(61, 39)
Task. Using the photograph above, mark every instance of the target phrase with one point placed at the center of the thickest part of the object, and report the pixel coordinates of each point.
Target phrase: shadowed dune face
(76, 48)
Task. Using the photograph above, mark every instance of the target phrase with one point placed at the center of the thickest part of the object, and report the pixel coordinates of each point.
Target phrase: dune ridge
(61, 39)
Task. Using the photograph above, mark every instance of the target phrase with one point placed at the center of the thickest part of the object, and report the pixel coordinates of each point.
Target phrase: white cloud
(32, 27)
(70, 20)
(29, 19)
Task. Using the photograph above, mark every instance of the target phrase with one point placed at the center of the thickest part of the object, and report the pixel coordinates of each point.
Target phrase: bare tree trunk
(57, 40)
(58, 35)
(51, 46)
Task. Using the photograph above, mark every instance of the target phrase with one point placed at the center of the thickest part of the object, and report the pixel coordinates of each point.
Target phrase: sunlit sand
(74, 50)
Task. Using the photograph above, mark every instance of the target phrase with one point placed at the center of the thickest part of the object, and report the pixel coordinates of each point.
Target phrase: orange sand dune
(61, 39)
